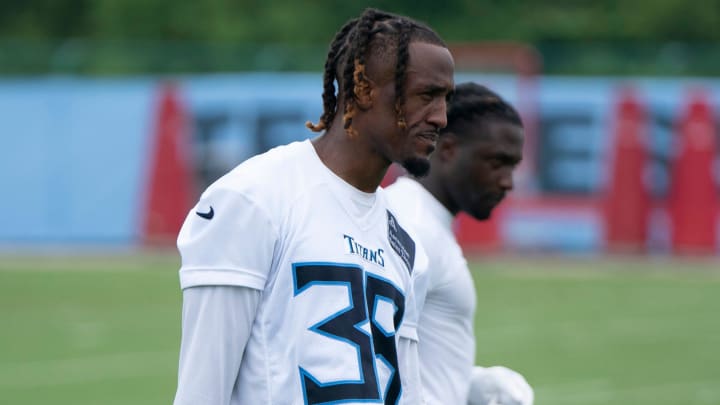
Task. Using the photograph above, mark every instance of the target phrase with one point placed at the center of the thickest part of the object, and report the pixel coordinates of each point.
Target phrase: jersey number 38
(365, 291)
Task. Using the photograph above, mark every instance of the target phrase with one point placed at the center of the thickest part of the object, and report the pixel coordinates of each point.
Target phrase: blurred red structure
(393, 172)
(169, 188)
(693, 199)
(627, 205)
(478, 236)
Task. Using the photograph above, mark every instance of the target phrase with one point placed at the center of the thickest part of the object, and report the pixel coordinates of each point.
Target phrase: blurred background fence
(119, 160)
(115, 114)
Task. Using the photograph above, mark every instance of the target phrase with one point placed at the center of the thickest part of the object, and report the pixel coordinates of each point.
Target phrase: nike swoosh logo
(206, 215)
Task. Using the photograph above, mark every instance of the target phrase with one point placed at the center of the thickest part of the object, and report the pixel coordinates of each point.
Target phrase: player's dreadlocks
(472, 102)
(375, 34)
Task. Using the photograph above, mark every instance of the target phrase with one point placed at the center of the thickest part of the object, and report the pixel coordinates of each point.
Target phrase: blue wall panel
(74, 152)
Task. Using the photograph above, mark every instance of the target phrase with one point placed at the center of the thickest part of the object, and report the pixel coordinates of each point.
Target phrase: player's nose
(438, 114)
(506, 180)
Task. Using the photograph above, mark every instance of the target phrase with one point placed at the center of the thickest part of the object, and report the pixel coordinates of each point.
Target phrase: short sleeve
(227, 239)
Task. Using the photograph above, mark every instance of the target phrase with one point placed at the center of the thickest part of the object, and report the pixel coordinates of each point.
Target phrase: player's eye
(427, 97)
(496, 163)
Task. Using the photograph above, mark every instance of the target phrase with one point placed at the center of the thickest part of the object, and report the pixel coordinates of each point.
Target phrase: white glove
(499, 386)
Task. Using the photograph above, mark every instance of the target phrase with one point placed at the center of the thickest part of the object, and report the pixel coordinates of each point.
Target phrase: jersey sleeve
(227, 239)
(416, 294)
(216, 325)
(409, 363)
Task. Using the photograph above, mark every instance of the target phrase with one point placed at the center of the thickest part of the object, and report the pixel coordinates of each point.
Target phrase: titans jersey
(447, 341)
(335, 267)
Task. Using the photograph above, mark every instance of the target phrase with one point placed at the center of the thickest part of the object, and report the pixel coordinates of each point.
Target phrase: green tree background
(170, 36)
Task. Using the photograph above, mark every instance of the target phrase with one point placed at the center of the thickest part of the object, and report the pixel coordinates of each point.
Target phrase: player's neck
(350, 161)
(434, 185)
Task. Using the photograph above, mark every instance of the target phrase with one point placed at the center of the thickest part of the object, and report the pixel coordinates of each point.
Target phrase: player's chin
(481, 213)
(417, 166)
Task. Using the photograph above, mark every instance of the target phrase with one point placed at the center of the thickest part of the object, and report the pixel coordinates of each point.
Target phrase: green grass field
(104, 330)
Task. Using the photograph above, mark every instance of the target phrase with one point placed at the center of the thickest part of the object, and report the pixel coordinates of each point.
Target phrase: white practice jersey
(335, 270)
(447, 341)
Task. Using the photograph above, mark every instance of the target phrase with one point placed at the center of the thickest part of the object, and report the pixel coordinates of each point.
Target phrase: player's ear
(447, 146)
(364, 93)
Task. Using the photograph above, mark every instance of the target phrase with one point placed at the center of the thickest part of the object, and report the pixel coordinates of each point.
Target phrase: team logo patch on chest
(401, 242)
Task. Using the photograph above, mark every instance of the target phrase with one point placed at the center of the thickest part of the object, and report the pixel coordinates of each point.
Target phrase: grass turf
(105, 329)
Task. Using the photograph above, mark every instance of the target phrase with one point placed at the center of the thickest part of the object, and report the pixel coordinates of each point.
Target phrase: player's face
(429, 81)
(482, 170)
